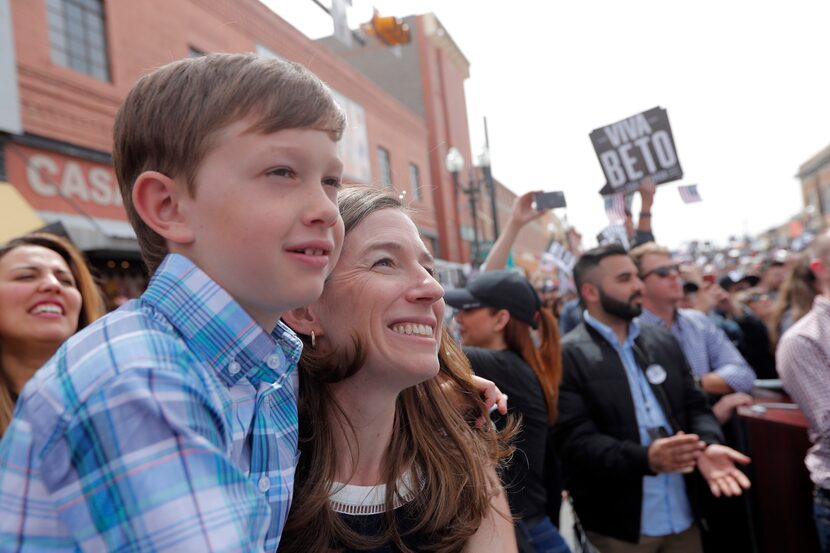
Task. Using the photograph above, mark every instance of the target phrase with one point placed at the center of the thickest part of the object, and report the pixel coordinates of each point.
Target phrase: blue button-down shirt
(168, 425)
(707, 348)
(666, 508)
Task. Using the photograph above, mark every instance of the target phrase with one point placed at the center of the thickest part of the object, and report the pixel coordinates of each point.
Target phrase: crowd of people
(290, 380)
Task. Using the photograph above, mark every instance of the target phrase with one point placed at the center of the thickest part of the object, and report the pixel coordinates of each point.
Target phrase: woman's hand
(523, 211)
(492, 397)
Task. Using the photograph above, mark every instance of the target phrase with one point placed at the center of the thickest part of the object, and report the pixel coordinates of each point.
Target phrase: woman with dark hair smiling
(511, 339)
(46, 294)
(392, 459)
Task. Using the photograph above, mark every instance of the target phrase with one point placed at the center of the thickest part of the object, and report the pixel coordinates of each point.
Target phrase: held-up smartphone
(549, 200)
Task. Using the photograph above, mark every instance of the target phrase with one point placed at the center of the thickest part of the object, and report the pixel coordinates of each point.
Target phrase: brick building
(815, 189)
(66, 66)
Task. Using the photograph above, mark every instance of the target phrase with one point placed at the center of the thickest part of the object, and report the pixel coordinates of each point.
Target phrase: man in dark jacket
(631, 421)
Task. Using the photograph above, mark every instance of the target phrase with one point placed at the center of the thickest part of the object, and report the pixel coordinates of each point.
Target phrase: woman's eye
(24, 277)
(385, 262)
(430, 270)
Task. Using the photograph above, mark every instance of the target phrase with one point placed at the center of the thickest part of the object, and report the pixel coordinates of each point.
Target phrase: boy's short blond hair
(638, 253)
(172, 116)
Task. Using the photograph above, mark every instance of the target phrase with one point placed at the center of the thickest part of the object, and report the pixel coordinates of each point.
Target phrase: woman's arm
(496, 532)
(521, 214)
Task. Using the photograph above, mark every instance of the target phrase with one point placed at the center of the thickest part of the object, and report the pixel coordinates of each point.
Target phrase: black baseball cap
(728, 281)
(502, 290)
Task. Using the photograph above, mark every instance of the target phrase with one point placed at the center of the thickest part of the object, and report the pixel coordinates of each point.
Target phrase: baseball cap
(500, 289)
(728, 281)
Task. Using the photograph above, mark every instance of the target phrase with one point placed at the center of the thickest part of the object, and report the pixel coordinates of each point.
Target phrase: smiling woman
(391, 457)
(46, 294)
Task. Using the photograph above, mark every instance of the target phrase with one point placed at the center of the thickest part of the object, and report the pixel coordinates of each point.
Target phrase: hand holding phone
(549, 200)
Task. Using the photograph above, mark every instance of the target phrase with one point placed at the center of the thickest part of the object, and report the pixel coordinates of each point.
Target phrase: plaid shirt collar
(217, 328)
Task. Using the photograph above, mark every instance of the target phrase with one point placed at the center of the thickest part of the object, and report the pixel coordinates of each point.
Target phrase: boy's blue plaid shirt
(169, 425)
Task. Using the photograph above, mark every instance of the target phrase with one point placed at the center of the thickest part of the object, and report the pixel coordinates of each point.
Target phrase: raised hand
(523, 211)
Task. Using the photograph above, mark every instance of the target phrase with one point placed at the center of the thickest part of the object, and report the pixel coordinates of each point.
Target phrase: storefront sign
(58, 183)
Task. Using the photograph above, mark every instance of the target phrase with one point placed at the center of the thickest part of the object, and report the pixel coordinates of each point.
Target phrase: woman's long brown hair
(92, 302)
(434, 435)
(546, 361)
(796, 295)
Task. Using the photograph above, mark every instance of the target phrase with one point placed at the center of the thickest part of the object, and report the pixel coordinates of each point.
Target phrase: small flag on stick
(689, 193)
(615, 208)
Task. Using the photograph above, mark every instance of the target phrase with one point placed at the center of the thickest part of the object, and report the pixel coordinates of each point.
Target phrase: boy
(171, 424)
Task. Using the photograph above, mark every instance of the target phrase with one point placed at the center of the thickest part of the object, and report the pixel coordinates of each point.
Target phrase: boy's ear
(302, 321)
(156, 198)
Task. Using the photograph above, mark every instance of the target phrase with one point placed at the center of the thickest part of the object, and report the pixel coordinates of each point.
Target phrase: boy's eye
(281, 172)
(332, 181)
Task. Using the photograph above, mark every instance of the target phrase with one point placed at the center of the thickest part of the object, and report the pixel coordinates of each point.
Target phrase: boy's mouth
(312, 248)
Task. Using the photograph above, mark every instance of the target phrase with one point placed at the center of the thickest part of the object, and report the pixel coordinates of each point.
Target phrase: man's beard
(620, 309)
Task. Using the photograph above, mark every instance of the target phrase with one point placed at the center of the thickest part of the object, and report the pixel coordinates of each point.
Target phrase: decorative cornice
(439, 36)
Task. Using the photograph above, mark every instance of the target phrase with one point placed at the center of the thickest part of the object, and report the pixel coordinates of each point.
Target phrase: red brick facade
(67, 116)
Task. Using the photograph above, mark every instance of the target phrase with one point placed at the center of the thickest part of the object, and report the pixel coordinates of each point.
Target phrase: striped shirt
(803, 358)
(168, 425)
(707, 348)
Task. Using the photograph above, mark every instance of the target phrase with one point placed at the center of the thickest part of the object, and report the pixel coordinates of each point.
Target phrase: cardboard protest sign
(559, 256)
(613, 234)
(635, 148)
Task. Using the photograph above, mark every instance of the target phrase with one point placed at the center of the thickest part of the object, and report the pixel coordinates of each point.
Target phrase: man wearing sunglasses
(632, 425)
(715, 361)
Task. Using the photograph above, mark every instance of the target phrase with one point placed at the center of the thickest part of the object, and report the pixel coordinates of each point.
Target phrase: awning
(93, 233)
(16, 215)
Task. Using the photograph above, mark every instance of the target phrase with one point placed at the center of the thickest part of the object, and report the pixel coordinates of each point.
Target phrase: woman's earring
(313, 340)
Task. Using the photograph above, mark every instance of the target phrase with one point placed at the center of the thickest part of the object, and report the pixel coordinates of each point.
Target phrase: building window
(194, 52)
(415, 181)
(825, 199)
(385, 167)
(76, 35)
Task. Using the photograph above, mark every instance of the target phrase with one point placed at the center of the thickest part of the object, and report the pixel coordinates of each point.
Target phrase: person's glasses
(756, 297)
(663, 271)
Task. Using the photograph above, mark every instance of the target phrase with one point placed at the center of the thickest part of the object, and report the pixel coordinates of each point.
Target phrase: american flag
(615, 208)
(689, 193)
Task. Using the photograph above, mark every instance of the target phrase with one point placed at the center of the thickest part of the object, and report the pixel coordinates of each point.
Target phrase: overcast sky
(745, 84)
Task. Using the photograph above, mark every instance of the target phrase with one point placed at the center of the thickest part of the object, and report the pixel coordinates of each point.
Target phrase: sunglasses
(662, 272)
(756, 297)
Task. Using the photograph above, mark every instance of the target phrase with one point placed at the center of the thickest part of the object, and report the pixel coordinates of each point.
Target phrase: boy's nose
(321, 209)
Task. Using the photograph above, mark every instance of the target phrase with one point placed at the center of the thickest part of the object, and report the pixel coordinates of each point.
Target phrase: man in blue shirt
(715, 361)
(631, 421)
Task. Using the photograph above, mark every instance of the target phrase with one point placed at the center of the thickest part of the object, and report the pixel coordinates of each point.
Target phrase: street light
(484, 163)
(454, 162)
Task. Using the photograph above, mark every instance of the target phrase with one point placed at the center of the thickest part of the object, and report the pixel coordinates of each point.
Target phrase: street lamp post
(454, 163)
(484, 163)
